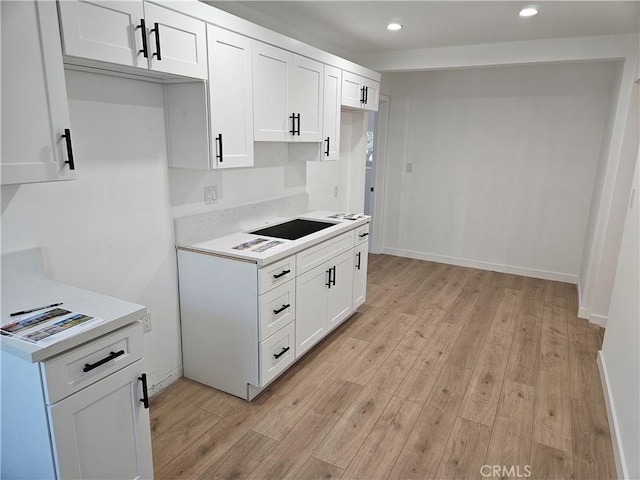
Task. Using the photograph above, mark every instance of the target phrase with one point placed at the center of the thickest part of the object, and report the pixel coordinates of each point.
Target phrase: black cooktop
(293, 229)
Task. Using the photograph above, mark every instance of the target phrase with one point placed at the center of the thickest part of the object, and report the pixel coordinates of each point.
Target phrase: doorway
(375, 155)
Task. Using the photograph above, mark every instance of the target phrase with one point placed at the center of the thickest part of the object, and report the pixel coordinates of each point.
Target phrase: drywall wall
(503, 161)
(620, 357)
(111, 230)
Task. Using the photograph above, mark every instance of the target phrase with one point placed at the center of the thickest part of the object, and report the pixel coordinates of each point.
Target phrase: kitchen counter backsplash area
(218, 223)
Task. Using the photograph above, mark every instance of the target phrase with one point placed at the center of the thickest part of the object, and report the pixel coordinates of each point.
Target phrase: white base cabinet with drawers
(243, 325)
(80, 414)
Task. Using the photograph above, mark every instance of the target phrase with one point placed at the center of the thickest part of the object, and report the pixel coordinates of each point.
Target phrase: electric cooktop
(293, 229)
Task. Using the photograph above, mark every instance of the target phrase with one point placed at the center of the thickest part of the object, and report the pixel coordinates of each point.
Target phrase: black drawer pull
(292, 117)
(362, 235)
(284, 350)
(219, 155)
(333, 282)
(328, 284)
(359, 256)
(327, 150)
(67, 137)
(145, 48)
(112, 355)
(282, 274)
(298, 131)
(145, 391)
(284, 307)
(156, 30)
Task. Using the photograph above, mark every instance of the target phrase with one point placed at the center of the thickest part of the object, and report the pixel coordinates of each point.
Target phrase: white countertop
(115, 313)
(224, 245)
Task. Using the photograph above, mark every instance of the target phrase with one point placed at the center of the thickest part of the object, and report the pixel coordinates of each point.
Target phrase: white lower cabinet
(360, 258)
(80, 414)
(339, 294)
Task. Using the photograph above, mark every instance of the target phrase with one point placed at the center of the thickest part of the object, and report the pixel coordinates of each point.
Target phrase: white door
(271, 77)
(360, 262)
(306, 99)
(103, 430)
(35, 112)
(371, 94)
(108, 31)
(311, 308)
(331, 113)
(177, 43)
(351, 90)
(230, 97)
(340, 293)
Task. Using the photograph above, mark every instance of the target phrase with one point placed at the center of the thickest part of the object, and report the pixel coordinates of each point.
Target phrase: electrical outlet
(409, 167)
(335, 191)
(210, 195)
(146, 322)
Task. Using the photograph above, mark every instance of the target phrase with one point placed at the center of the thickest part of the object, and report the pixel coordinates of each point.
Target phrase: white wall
(504, 160)
(620, 356)
(111, 230)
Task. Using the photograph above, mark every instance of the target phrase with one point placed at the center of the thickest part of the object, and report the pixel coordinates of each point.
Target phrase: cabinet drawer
(362, 234)
(276, 274)
(277, 353)
(65, 374)
(326, 250)
(277, 308)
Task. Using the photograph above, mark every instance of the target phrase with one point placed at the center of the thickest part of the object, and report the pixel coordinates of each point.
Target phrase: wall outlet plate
(146, 322)
(210, 195)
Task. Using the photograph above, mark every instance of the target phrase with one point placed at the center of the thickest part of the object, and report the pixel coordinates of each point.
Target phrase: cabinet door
(103, 430)
(340, 293)
(230, 92)
(109, 31)
(351, 90)
(271, 77)
(35, 112)
(177, 43)
(306, 99)
(372, 95)
(360, 274)
(311, 308)
(331, 113)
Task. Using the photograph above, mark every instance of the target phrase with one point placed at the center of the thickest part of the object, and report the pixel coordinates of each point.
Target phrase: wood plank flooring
(444, 369)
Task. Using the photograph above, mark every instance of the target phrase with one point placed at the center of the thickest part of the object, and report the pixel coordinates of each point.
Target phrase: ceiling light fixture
(394, 27)
(528, 12)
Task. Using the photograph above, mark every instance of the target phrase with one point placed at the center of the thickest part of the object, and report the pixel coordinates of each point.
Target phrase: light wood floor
(444, 369)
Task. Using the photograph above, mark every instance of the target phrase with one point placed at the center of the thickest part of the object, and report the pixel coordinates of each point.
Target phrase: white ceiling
(356, 27)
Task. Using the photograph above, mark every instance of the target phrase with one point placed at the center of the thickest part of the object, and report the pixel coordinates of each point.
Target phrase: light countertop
(223, 246)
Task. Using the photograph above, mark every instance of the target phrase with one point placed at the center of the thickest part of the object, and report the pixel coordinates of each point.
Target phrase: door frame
(379, 174)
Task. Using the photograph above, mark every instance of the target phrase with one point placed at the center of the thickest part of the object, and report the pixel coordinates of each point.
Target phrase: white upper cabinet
(287, 96)
(230, 98)
(360, 92)
(306, 104)
(109, 31)
(36, 140)
(134, 34)
(176, 43)
(331, 113)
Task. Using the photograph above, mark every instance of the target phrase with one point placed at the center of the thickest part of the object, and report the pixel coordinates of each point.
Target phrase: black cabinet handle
(156, 30)
(366, 95)
(328, 143)
(334, 276)
(328, 284)
(67, 137)
(284, 307)
(282, 274)
(219, 155)
(145, 391)
(362, 235)
(284, 350)
(362, 100)
(112, 355)
(359, 257)
(298, 131)
(145, 48)
(292, 117)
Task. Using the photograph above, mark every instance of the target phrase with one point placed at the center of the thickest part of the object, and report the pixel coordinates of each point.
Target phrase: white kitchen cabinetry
(287, 96)
(134, 34)
(36, 140)
(360, 263)
(81, 414)
(331, 113)
(360, 92)
(210, 125)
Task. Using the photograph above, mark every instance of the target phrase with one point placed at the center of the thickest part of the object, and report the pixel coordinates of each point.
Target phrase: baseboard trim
(618, 453)
(496, 267)
(597, 319)
(166, 380)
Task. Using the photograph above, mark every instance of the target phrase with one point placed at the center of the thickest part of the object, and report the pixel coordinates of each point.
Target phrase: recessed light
(528, 12)
(394, 26)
